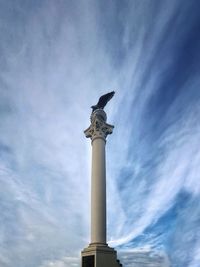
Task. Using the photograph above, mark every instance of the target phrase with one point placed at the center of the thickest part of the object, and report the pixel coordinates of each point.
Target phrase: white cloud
(65, 261)
(144, 257)
(51, 77)
(174, 172)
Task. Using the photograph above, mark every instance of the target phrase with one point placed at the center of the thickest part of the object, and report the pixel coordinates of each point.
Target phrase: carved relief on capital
(98, 128)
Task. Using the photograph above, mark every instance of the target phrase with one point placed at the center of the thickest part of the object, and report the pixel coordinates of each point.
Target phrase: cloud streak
(57, 58)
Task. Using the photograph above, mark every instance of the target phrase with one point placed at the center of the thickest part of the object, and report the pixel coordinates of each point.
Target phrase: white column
(98, 192)
(98, 132)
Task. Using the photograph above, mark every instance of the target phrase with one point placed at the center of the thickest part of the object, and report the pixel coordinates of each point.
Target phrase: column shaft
(98, 192)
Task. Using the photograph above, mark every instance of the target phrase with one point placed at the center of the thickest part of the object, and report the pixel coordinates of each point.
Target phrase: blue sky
(56, 59)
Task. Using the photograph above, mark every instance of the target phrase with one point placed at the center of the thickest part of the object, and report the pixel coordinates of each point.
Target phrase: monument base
(99, 255)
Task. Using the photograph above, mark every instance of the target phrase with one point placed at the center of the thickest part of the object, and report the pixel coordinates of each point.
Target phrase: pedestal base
(99, 255)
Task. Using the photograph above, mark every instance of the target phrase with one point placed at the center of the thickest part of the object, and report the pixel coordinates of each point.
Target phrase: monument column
(98, 132)
(98, 253)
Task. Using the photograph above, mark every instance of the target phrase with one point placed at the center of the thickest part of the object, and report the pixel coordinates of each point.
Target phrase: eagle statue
(103, 100)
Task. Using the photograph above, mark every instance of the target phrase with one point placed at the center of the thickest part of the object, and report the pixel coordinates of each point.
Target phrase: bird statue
(103, 100)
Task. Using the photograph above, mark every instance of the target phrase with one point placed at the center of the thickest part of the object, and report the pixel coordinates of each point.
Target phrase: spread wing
(103, 100)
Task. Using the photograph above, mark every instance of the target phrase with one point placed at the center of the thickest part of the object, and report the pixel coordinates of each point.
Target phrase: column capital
(98, 128)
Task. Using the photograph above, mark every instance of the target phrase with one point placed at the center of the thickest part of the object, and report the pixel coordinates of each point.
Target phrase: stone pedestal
(98, 254)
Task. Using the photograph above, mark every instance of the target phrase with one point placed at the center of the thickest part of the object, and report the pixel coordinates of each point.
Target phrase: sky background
(56, 59)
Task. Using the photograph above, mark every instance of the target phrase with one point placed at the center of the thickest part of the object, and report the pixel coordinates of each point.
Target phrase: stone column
(98, 132)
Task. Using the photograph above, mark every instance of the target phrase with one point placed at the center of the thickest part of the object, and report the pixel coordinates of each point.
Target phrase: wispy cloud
(56, 59)
(69, 261)
(144, 257)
